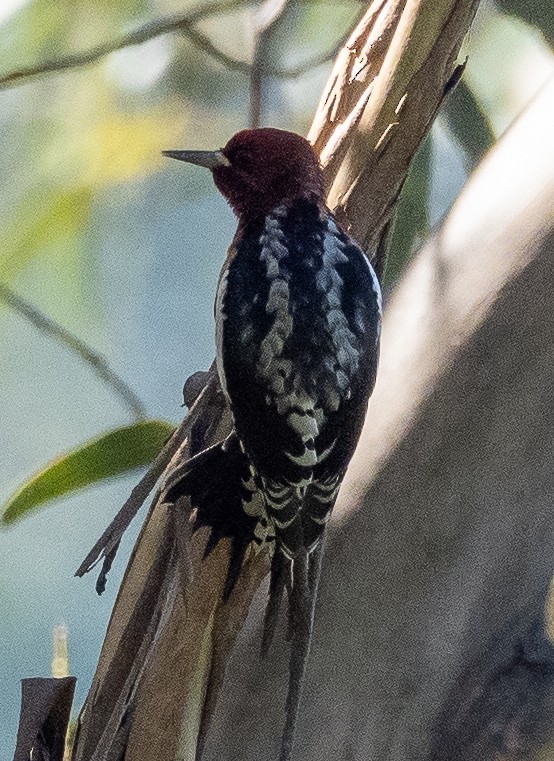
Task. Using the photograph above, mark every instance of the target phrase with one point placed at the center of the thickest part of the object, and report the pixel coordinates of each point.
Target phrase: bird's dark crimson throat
(265, 168)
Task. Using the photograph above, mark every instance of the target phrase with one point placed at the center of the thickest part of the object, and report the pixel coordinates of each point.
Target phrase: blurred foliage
(509, 62)
(43, 222)
(412, 220)
(112, 454)
(537, 13)
(71, 138)
(468, 124)
(307, 32)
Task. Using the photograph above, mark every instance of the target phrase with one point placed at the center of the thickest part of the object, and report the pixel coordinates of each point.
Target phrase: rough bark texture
(433, 635)
(383, 94)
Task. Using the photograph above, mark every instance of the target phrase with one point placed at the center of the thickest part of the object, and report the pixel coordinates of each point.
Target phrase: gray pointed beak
(209, 159)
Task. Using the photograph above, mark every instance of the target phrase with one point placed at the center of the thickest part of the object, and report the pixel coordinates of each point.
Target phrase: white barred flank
(286, 392)
(277, 506)
(284, 524)
(304, 423)
(254, 505)
(277, 371)
(270, 365)
(347, 352)
(302, 369)
(323, 491)
(279, 493)
(307, 459)
(325, 494)
(272, 346)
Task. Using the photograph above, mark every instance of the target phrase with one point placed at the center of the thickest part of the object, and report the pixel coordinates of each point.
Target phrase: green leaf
(112, 454)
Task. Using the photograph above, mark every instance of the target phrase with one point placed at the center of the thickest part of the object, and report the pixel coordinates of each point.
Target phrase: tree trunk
(433, 635)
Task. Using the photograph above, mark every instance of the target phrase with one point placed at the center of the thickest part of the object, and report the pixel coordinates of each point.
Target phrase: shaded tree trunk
(433, 636)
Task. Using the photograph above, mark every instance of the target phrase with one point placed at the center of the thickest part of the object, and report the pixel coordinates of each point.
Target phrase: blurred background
(122, 248)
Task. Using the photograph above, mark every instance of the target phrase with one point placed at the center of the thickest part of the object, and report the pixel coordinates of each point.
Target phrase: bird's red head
(260, 169)
(268, 167)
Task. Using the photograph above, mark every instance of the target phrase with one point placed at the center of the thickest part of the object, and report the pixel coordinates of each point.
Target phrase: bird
(298, 311)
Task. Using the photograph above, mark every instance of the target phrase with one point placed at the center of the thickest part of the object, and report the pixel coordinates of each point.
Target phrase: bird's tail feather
(279, 574)
(214, 479)
(215, 482)
(305, 577)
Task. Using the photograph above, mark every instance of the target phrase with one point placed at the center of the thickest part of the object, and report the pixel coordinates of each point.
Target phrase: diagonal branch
(268, 17)
(60, 334)
(106, 547)
(183, 24)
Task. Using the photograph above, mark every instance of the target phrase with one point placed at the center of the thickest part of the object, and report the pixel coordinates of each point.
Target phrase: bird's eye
(239, 158)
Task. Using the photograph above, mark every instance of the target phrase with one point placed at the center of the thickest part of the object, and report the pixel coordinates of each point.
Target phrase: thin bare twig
(108, 543)
(184, 24)
(98, 363)
(265, 20)
(312, 63)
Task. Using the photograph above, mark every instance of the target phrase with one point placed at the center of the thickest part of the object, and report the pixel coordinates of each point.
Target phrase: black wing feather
(214, 480)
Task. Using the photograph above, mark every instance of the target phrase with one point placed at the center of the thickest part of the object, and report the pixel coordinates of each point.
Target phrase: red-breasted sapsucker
(298, 313)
